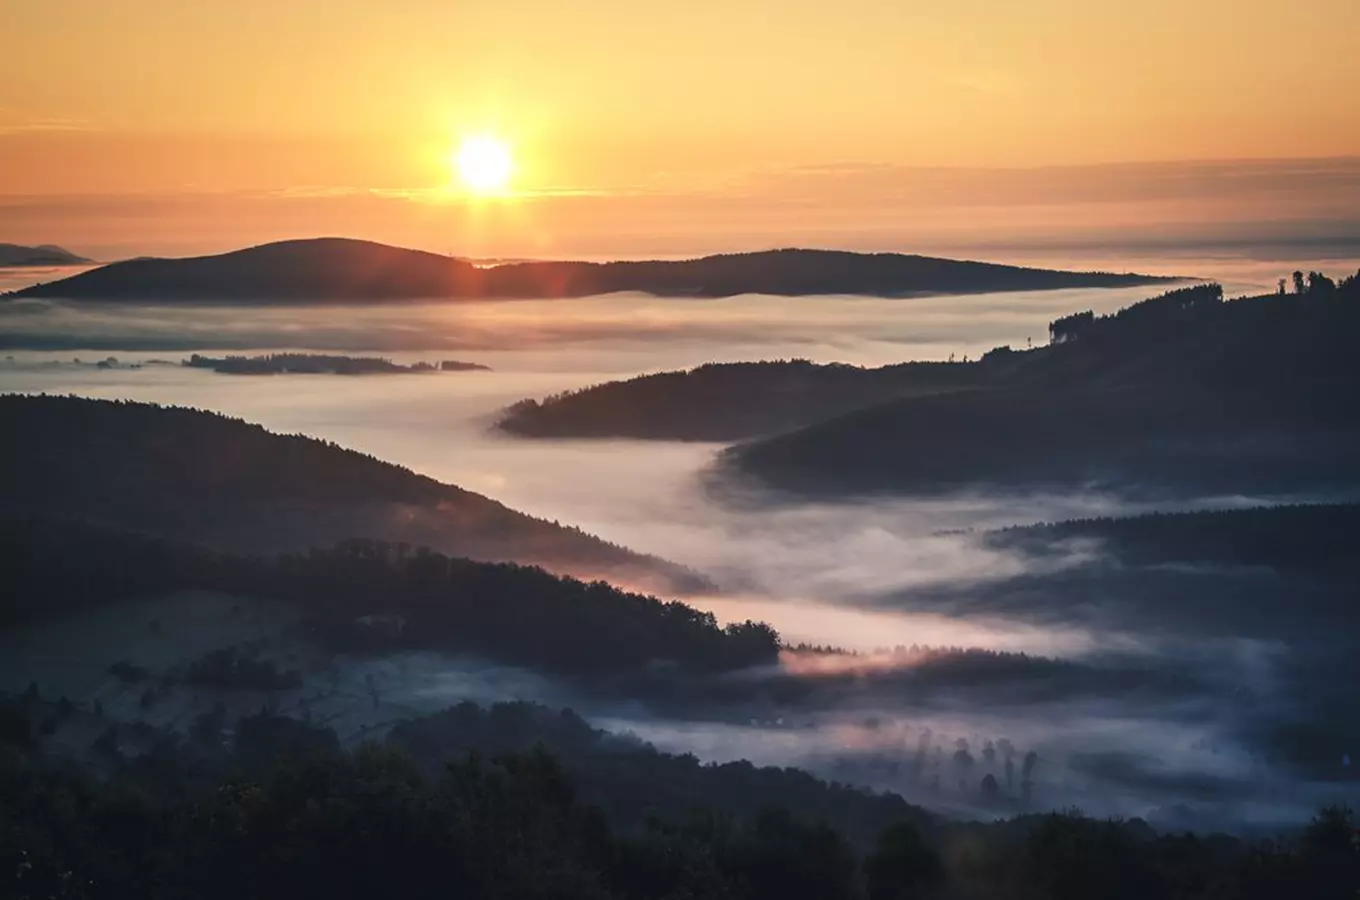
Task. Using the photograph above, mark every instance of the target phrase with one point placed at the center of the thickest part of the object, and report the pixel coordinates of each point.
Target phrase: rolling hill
(199, 476)
(342, 270)
(729, 401)
(372, 597)
(1180, 393)
(1304, 538)
(17, 255)
(741, 401)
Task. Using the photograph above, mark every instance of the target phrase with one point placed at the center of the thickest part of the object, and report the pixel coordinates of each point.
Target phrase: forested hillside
(1180, 393)
(276, 810)
(370, 597)
(201, 476)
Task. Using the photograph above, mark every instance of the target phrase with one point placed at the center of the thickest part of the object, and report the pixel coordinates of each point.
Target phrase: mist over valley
(1152, 671)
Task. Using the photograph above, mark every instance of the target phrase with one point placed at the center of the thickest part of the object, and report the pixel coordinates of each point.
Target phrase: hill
(1180, 393)
(740, 401)
(728, 401)
(371, 597)
(200, 476)
(342, 270)
(43, 255)
(1206, 573)
(1305, 538)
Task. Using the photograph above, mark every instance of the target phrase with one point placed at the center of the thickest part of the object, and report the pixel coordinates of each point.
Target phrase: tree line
(373, 596)
(1312, 537)
(284, 812)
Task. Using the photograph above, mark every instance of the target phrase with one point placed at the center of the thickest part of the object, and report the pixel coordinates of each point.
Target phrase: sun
(484, 165)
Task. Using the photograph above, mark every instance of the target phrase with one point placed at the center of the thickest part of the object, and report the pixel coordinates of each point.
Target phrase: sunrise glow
(484, 165)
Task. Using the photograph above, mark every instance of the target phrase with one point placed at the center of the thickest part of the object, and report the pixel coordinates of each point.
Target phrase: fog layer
(858, 576)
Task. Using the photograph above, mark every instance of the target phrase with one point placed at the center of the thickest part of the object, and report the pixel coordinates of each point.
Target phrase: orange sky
(156, 125)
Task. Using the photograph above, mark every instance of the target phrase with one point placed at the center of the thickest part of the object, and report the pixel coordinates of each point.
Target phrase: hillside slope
(745, 400)
(728, 401)
(1180, 393)
(195, 475)
(350, 595)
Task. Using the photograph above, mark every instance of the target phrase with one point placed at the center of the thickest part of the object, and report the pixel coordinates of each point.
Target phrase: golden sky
(237, 121)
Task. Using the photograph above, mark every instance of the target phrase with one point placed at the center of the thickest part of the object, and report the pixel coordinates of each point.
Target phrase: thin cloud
(44, 126)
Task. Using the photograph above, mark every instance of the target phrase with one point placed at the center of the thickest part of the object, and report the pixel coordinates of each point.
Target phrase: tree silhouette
(963, 761)
(902, 865)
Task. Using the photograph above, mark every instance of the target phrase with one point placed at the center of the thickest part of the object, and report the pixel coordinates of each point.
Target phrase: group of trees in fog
(633, 782)
(280, 811)
(230, 669)
(1200, 305)
(1319, 283)
(510, 613)
(1154, 312)
(371, 596)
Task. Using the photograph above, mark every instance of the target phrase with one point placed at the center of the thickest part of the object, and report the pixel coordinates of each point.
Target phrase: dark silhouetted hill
(372, 597)
(342, 270)
(738, 401)
(201, 476)
(1183, 392)
(1303, 538)
(42, 255)
(728, 401)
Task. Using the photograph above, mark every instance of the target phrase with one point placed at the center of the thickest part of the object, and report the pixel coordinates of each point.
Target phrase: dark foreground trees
(289, 815)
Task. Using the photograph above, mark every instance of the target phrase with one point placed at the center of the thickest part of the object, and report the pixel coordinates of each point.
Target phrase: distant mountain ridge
(17, 255)
(345, 270)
